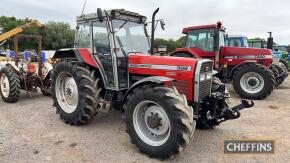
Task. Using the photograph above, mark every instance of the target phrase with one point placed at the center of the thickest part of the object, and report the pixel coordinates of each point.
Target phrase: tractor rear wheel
(273, 68)
(9, 84)
(285, 63)
(253, 81)
(75, 92)
(281, 70)
(158, 120)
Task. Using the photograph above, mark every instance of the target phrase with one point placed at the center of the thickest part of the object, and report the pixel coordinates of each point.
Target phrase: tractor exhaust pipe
(270, 41)
(153, 31)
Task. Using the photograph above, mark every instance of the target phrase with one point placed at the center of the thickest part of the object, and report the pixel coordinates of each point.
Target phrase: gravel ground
(30, 131)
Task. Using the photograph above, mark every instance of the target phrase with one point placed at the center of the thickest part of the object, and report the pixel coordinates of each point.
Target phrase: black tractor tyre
(273, 68)
(46, 91)
(281, 70)
(14, 84)
(88, 91)
(285, 63)
(263, 72)
(180, 116)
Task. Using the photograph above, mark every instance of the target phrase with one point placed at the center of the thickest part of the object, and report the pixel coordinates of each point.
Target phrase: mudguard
(248, 62)
(82, 54)
(151, 79)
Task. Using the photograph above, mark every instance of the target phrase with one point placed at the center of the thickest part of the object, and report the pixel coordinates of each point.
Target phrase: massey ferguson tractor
(246, 67)
(162, 98)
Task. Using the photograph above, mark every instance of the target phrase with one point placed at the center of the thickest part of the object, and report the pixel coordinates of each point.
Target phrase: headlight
(208, 76)
(202, 77)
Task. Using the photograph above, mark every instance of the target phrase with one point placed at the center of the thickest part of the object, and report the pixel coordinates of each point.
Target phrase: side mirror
(100, 15)
(226, 36)
(162, 24)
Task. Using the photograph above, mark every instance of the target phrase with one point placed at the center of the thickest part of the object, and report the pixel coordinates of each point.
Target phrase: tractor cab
(209, 41)
(257, 43)
(237, 41)
(110, 36)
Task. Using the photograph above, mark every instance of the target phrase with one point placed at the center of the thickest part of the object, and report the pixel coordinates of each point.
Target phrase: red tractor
(246, 67)
(162, 98)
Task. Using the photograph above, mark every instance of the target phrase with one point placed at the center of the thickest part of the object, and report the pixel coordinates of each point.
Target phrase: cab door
(102, 50)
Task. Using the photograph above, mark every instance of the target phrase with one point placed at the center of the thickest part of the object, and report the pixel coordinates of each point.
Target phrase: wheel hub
(252, 82)
(154, 121)
(151, 123)
(67, 92)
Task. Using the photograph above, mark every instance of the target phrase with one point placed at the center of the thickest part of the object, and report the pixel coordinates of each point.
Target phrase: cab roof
(185, 30)
(113, 13)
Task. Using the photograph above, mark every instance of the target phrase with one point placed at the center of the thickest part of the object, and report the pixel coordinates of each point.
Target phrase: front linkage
(215, 107)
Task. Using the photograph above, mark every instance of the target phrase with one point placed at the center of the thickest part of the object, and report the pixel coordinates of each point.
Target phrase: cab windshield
(201, 38)
(130, 37)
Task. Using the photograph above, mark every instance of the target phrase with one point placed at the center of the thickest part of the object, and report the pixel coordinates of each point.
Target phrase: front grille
(202, 88)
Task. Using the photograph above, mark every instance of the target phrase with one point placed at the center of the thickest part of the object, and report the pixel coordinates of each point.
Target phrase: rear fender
(159, 80)
(81, 54)
(244, 63)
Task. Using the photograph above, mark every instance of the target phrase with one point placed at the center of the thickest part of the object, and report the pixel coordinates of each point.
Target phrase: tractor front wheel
(75, 92)
(9, 84)
(253, 82)
(158, 120)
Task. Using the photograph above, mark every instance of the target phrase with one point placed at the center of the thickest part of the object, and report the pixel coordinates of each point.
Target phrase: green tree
(170, 44)
(58, 35)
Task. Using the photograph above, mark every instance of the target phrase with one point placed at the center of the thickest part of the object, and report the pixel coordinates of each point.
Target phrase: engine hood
(239, 51)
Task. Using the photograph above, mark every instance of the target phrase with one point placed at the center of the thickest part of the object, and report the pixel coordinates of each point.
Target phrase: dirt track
(30, 131)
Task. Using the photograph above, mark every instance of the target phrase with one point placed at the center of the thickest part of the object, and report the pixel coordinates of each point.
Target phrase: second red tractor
(246, 67)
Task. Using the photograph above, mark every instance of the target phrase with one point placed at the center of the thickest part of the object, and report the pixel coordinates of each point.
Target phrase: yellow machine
(16, 30)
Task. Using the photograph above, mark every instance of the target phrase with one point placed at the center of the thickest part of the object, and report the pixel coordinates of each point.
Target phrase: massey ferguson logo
(184, 68)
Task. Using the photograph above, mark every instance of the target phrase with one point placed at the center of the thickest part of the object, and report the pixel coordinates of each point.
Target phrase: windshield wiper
(121, 26)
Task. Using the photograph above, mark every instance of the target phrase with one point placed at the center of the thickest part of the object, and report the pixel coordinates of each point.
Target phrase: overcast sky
(253, 18)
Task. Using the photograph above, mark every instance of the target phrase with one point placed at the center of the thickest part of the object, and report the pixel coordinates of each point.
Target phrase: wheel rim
(151, 123)
(5, 87)
(66, 92)
(252, 82)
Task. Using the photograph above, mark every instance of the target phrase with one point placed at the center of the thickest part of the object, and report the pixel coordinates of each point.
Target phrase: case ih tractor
(162, 98)
(246, 67)
(279, 65)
